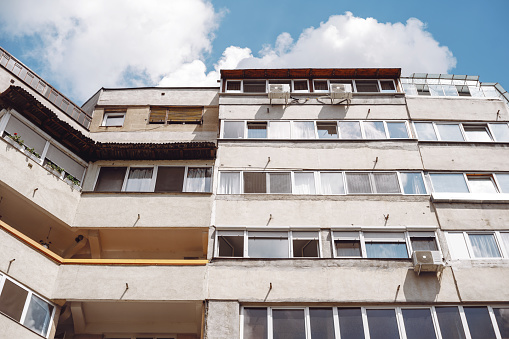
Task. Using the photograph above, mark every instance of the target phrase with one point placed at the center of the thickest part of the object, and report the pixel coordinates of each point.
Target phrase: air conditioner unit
(279, 91)
(340, 91)
(427, 261)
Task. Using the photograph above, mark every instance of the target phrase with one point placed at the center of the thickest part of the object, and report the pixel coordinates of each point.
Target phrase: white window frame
(154, 177)
(362, 241)
(3, 278)
(111, 114)
(290, 241)
(226, 90)
(462, 125)
(398, 312)
(300, 91)
(486, 127)
(491, 130)
(504, 252)
(492, 176)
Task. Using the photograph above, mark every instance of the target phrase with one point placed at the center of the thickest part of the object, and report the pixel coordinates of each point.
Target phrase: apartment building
(285, 203)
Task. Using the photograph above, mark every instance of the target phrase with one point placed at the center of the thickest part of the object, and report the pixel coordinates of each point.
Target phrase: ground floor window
(412, 322)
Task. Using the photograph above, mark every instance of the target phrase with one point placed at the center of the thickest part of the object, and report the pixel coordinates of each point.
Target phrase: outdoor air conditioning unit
(340, 91)
(427, 261)
(279, 91)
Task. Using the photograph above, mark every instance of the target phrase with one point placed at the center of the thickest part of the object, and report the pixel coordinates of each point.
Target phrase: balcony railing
(31, 79)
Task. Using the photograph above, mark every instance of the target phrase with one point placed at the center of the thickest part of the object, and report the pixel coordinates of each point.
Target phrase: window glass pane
(425, 131)
(332, 183)
(450, 90)
(387, 86)
(231, 246)
(255, 323)
(114, 120)
(350, 129)
(254, 86)
(412, 183)
(386, 250)
(230, 183)
(280, 183)
(450, 183)
(484, 245)
(479, 323)
(410, 89)
(366, 85)
(265, 247)
(300, 85)
(233, 129)
(38, 315)
(382, 324)
(255, 182)
(503, 182)
(424, 244)
(110, 179)
(450, 132)
(386, 183)
(476, 133)
(450, 323)
(418, 323)
(279, 130)
(170, 179)
(305, 248)
(12, 300)
(350, 323)
(198, 179)
(303, 130)
(327, 130)
(457, 245)
(139, 179)
(374, 129)
(257, 130)
(436, 90)
(481, 184)
(397, 130)
(232, 85)
(358, 183)
(348, 248)
(505, 240)
(304, 183)
(322, 323)
(502, 316)
(501, 131)
(288, 324)
(320, 85)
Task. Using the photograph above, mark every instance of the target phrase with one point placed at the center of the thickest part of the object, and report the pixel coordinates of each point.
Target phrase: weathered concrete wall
(482, 281)
(467, 216)
(51, 194)
(160, 283)
(466, 158)
(338, 155)
(457, 108)
(137, 129)
(29, 267)
(13, 329)
(394, 109)
(255, 209)
(196, 96)
(335, 281)
(223, 318)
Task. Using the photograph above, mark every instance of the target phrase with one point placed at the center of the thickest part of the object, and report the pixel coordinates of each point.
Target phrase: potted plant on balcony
(32, 154)
(15, 140)
(54, 168)
(72, 181)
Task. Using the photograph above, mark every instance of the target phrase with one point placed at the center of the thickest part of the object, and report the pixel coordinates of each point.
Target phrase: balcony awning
(312, 73)
(90, 150)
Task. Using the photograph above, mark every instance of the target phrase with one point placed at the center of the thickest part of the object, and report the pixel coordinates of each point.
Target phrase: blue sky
(81, 46)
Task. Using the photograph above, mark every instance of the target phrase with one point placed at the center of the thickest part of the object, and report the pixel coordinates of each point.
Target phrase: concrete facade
(256, 227)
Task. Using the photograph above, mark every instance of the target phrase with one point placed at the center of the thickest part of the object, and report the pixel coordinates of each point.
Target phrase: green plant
(54, 166)
(73, 180)
(31, 150)
(16, 138)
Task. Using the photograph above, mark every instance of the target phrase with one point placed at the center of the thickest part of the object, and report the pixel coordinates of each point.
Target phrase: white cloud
(349, 41)
(85, 45)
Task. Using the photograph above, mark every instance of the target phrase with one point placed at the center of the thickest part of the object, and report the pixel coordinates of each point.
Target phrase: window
(397, 130)
(327, 130)
(320, 85)
(176, 114)
(154, 179)
(325, 182)
(14, 299)
(233, 85)
(112, 119)
(425, 131)
(279, 130)
(481, 184)
(449, 182)
(382, 245)
(366, 86)
(233, 129)
(350, 129)
(503, 182)
(374, 129)
(256, 129)
(267, 244)
(477, 132)
(478, 245)
(452, 322)
(450, 132)
(254, 86)
(469, 183)
(300, 86)
(500, 131)
(303, 130)
(387, 86)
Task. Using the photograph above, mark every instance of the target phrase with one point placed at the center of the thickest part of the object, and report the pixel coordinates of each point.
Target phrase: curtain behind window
(198, 179)
(139, 180)
(230, 183)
